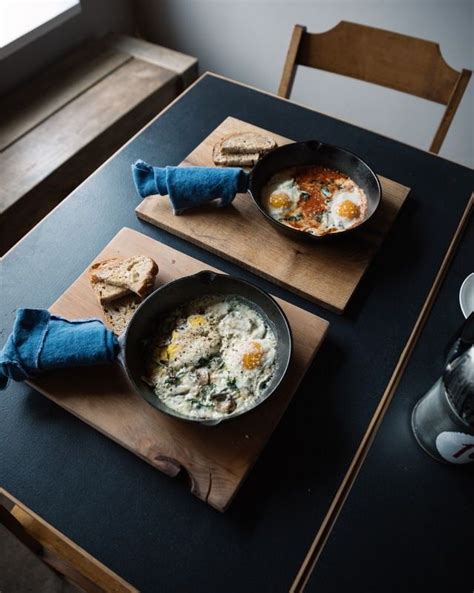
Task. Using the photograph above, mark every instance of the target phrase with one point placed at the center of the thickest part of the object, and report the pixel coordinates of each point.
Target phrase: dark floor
(21, 571)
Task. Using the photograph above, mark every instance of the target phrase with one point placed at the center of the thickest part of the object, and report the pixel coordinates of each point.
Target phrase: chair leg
(450, 110)
(289, 69)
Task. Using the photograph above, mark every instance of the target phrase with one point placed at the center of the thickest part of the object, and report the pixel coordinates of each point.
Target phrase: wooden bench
(60, 126)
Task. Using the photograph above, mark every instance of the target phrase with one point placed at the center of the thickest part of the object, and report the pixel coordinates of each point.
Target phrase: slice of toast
(121, 275)
(107, 293)
(247, 143)
(119, 312)
(233, 160)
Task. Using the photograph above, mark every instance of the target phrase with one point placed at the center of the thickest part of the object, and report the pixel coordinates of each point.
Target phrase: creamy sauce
(211, 357)
(315, 199)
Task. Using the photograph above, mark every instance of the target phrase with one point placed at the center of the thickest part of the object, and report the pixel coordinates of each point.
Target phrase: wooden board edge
(117, 583)
(31, 383)
(304, 573)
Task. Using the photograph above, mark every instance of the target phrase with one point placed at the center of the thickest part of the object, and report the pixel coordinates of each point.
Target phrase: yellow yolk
(168, 352)
(163, 353)
(279, 200)
(173, 349)
(253, 359)
(348, 209)
(197, 320)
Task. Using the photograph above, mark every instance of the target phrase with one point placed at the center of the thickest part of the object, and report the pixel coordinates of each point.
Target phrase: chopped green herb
(172, 381)
(294, 218)
(200, 404)
(206, 390)
(325, 191)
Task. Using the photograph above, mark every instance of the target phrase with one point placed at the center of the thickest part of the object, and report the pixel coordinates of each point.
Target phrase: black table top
(142, 524)
(407, 523)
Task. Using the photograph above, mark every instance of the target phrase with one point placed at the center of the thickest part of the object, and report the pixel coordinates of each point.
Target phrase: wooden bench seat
(59, 127)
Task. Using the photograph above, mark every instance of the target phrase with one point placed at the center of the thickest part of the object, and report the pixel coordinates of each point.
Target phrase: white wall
(247, 40)
(97, 18)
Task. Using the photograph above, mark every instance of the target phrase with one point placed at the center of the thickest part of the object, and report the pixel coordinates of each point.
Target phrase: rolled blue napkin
(190, 187)
(41, 341)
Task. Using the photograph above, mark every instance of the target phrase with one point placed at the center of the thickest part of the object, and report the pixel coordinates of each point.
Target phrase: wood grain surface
(390, 59)
(45, 94)
(78, 124)
(326, 273)
(216, 459)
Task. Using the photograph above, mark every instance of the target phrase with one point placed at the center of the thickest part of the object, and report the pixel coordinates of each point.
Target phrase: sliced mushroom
(202, 376)
(226, 407)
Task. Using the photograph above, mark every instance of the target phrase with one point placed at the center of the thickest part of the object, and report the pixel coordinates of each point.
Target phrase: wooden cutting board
(216, 459)
(325, 273)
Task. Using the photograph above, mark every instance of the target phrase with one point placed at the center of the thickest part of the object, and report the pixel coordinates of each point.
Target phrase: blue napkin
(41, 341)
(189, 187)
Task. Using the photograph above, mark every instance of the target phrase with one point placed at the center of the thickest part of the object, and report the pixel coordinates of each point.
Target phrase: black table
(144, 525)
(407, 524)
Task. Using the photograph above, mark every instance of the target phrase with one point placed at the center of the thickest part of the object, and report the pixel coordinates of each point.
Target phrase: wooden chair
(399, 62)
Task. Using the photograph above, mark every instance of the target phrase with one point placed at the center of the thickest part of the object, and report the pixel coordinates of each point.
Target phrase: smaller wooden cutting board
(216, 459)
(326, 272)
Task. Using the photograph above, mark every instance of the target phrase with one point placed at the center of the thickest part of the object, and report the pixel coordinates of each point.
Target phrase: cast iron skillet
(170, 296)
(313, 152)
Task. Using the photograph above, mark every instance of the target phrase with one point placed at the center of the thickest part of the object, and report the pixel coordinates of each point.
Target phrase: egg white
(281, 185)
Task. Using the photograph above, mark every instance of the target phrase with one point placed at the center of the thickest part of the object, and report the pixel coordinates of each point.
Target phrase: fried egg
(193, 341)
(345, 210)
(248, 360)
(281, 196)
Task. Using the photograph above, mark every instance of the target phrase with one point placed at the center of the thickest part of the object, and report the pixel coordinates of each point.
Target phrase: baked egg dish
(314, 199)
(211, 357)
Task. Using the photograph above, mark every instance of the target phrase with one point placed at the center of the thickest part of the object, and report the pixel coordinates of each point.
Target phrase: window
(22, 21)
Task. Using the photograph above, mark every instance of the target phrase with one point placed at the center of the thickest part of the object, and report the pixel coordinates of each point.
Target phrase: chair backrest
(396, 61)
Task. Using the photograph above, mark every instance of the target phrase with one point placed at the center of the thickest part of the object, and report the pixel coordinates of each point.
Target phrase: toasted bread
(107, 293)
(119, 312)
(114, 278)
(247, 143)
(233, 160)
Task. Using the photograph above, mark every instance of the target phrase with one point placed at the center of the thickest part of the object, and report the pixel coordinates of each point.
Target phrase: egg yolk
(279, 200)
(169, 352)
(163, 353)
(253, 359)
(348, 209)
(197, 320)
